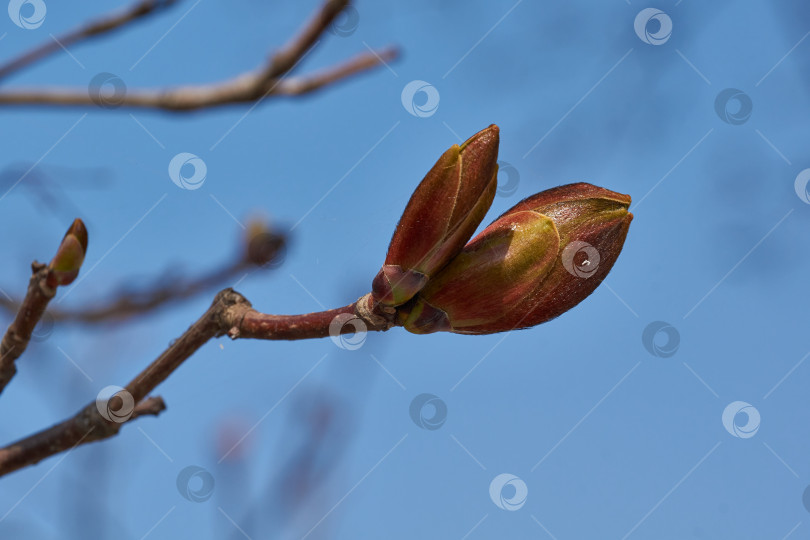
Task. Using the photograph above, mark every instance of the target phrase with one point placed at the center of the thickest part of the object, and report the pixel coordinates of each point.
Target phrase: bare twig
(95, 28)
(230, 314)
(267, 80)
(41, 288)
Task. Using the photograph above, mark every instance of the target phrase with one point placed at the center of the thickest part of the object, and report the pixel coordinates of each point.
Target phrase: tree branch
(95, 28)
(267, 80)
(41, 288)
(231, 314)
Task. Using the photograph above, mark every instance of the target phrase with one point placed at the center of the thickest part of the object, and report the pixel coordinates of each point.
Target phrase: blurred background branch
(267, 80)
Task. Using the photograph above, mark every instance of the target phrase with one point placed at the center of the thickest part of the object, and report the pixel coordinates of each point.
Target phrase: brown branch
(231, 314)
(41, 288)
(267, 80)
(95, 28)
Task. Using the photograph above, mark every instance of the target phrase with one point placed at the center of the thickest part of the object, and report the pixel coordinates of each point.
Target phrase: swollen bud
(442, 214)
(65, 265)
(491, 274)
(480, 295)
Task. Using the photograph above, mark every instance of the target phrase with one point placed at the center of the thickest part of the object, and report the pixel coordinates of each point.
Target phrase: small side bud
(65, 265)
(262, 244)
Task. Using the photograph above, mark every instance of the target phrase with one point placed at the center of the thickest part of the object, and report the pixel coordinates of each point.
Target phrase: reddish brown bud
(484, 293)
(488, 277)
(65, 265)
(442, 214)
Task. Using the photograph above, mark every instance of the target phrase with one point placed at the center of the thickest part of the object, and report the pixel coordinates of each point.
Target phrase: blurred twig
(263, 247)
(95, 28)
(267, 80)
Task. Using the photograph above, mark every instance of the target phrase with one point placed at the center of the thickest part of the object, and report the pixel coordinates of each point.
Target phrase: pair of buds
(536, 261)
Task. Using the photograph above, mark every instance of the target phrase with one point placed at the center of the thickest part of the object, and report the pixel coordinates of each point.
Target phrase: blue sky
(612, 436)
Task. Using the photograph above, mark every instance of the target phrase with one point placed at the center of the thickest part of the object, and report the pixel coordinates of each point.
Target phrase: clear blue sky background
(610, 440)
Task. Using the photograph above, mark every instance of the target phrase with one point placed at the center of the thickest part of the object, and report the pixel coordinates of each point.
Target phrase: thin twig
(95, 28)
(267, 80)
(45, 278)
(231, 314)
